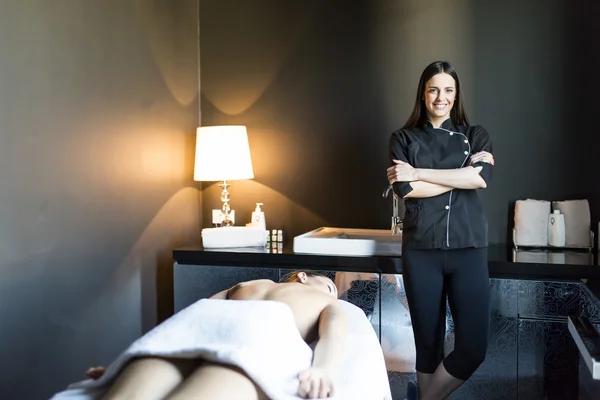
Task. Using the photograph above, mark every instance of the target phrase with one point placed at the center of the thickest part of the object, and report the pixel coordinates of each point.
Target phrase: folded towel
(577, 221)
(531, 222)
(234, 236)
(271, 352)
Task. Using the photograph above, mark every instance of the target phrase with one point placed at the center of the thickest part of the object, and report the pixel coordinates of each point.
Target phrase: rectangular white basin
(349, 242)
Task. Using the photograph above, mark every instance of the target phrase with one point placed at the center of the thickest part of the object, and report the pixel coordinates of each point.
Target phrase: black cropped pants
(461, 275)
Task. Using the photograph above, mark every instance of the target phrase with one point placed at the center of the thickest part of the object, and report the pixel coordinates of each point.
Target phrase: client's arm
(333, 327)
(317, 382)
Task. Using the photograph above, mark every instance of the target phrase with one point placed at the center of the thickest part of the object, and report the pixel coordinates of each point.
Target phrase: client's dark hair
(292, 276)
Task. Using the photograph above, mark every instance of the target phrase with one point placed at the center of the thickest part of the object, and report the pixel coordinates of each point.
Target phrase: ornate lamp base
(225, 210)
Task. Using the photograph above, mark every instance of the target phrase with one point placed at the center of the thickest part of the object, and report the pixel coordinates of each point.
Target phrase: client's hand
(95, 372)
(315, 383)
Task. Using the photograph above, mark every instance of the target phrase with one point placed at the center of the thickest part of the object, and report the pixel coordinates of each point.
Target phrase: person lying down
(275, 341)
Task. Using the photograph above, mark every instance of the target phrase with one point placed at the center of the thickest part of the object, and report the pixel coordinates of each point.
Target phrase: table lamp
(223, 154)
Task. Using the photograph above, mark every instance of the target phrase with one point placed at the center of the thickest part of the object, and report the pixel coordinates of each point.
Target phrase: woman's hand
(315, 383)
(482, 156)
(401, 172)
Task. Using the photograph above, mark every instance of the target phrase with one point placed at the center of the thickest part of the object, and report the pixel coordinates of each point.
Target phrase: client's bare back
(306, 302)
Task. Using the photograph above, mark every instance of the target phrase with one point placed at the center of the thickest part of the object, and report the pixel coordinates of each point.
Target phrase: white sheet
(271, 352)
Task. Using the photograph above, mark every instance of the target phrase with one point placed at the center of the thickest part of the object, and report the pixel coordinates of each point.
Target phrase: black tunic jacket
(454, 219)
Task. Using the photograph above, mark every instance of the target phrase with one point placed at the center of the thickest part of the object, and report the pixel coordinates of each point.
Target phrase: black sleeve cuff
(402, 189)
(486, 171)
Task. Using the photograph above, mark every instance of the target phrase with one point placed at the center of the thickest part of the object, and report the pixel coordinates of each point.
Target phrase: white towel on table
(259, 337)
(577, 221)
(531, 222)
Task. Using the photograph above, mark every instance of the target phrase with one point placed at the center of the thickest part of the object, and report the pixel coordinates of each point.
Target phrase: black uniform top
(454, 219)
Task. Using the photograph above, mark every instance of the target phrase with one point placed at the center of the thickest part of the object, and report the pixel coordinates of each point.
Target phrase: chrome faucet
(396, 221)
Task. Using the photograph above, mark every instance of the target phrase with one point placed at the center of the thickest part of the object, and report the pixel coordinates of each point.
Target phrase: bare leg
(217, 382)
(440, 385)
(149, 378)
(423, 382)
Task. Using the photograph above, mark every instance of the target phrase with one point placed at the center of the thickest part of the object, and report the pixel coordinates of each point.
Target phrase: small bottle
(273, 237)
(258, 217)
(280, 236)
(556, 229)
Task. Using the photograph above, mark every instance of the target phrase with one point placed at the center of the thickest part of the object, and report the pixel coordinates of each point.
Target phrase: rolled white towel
(577, 221)
(531, 222)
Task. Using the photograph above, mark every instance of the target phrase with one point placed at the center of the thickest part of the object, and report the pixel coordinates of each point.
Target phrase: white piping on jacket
(450, 196)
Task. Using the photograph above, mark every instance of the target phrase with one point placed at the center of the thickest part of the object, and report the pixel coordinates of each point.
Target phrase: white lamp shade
(222, 154)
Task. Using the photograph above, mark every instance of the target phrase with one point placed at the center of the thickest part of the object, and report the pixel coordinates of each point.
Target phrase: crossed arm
(432, 182)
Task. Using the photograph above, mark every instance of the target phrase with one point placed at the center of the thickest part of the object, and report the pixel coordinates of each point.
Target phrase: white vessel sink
(349, 242)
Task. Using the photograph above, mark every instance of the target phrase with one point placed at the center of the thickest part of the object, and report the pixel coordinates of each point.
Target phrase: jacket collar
(447, 124)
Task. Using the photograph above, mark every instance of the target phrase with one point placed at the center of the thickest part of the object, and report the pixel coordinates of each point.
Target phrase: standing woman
(438, 161)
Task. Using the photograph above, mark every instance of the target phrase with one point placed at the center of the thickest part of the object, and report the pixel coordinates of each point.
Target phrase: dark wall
(583, 132)
(322, 84)
(98, 109)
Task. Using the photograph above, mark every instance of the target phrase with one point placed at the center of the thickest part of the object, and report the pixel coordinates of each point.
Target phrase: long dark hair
(419, 112)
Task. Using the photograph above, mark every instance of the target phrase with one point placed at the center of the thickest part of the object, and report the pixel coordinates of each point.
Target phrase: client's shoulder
(255, 282)
(250, 289)
(258, 282)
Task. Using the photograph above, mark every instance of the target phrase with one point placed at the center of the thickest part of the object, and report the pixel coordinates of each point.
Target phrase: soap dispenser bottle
(258, 217)
(556, 229)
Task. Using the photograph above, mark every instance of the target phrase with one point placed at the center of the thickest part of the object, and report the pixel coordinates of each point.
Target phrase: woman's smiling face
(439, 96)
